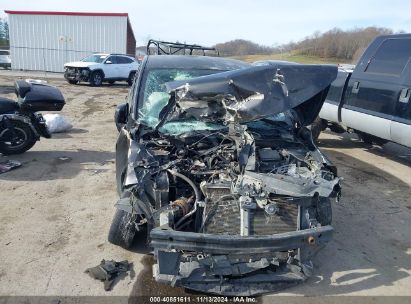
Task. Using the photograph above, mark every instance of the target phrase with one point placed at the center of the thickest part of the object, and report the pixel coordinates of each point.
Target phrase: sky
(208, 22)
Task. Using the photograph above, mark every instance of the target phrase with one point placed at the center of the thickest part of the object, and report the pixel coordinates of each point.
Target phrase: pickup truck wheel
(317, 127)
(96, 79)
(371, 139)
(122, 229)
(72, 81)
(131, 78)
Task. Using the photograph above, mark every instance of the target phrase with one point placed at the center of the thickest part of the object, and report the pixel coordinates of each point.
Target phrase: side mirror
(108, 62)
(120, 116)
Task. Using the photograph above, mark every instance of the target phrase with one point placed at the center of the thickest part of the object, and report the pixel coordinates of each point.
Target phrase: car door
(124, 141)
(331, 107)
(374, 89)
(401, 121)
(110, 68)
(125, 66)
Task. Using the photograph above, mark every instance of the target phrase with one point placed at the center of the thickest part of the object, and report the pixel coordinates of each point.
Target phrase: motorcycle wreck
(20, 124)
(234, 193)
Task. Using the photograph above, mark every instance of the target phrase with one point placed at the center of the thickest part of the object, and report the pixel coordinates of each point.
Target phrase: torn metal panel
(285, 183)
(109, 271)
(254, 93)
(254, 283)
(230, 265)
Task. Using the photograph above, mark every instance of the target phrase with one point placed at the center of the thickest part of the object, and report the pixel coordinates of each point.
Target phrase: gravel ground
(55, 211)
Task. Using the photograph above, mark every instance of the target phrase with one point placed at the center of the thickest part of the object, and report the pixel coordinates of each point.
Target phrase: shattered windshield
(94, 58)
(155, 98)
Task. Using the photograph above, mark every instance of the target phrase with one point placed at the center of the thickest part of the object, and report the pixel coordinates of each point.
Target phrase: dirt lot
(55, 211)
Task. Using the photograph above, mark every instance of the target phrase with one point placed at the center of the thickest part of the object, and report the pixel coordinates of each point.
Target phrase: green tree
(4, 33)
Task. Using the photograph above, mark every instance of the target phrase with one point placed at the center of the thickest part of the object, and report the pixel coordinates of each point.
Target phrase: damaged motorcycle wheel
(122, 229)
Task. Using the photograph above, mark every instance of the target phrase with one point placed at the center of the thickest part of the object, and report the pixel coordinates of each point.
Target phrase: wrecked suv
(99, 68)
(216, 165)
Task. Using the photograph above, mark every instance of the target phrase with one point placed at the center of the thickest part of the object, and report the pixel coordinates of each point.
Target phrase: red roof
(66, 13)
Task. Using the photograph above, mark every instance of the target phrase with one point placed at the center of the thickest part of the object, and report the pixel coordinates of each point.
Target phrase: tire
(317, 127)
(72, 81)
(122, 230)
(371, 139)
(119, 126)
(96, 79)
(26, 138)
(131, 78)
(324, 211)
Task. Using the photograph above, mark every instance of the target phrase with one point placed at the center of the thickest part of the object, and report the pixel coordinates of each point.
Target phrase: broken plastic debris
(64, 159)
(108, 271)
(8, 165)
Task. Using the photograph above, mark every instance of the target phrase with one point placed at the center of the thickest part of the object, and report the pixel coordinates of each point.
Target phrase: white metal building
(44, 41)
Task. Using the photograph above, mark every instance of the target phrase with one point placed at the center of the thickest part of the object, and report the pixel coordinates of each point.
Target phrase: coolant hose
(196, 193)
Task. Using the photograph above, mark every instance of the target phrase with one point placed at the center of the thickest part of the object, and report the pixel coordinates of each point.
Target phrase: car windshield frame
(95, 58)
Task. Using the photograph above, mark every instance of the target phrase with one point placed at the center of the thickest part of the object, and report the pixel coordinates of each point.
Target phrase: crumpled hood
(80, 64)
(253, 93)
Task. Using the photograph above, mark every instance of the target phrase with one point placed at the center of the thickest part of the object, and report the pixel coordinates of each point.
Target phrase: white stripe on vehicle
(366, 123)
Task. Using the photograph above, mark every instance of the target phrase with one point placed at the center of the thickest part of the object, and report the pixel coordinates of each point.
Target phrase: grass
(291, 56)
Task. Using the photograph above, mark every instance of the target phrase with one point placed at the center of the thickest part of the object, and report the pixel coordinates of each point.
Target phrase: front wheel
(122, 229)
(72, 81)
(21, 139)
(96, 79)
(317, 127)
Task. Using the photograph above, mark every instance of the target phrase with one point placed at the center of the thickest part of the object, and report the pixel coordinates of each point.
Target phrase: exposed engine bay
(239, 207)
(206, 171)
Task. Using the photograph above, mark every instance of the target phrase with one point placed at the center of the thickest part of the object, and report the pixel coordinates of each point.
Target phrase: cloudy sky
(211, 21)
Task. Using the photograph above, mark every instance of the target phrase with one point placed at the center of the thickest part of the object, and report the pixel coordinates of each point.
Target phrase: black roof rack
(114, 54)
(155, 47)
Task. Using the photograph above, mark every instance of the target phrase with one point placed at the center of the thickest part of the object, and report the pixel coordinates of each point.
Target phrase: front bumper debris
(5, 65)
(234, 265)
(77, 74)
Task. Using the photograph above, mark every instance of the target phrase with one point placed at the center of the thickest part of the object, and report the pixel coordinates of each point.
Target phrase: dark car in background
(217, 169)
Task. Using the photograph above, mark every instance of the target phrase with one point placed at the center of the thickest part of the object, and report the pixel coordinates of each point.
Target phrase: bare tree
(339, 44)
